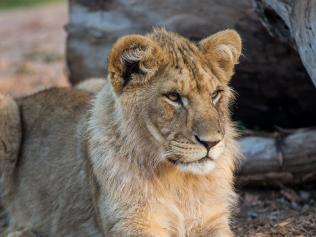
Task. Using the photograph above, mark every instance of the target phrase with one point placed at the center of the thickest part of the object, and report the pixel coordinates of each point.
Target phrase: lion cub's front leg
(216, 228)
(225, 232)
(150, 220)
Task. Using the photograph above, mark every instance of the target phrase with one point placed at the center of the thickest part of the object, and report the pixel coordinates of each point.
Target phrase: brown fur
(138, 163)
(10, 138)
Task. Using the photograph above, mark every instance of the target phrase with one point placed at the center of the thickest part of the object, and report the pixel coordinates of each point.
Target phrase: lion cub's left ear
(223, 50)
(133, 61)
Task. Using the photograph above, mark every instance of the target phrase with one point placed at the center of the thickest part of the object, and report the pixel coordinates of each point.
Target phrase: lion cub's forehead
(184, 81)
(186, 64)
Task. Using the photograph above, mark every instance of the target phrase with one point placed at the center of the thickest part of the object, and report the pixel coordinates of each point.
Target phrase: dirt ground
(32, 57)
(32, 49)
(276, 213)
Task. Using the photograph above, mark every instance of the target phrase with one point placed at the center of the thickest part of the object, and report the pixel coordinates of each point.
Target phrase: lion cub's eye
(174, 97)
(216, 96)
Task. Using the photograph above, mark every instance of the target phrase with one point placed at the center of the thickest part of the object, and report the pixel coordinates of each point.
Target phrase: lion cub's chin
(201, 167)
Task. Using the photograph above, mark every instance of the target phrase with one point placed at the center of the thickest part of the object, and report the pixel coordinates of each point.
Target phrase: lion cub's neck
(115, 135)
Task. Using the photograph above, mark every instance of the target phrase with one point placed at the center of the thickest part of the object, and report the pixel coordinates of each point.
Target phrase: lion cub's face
(180, 89)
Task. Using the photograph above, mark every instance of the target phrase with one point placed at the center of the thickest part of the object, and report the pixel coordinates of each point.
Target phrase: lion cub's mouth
(194, 158)
(178, 161)
(187, 152)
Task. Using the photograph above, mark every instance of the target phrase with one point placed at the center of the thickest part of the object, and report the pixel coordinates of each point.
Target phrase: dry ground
(276, 213)
(32, 57)
(32, 49)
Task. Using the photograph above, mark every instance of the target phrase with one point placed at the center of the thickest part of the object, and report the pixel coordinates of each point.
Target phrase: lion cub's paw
(224, 233)
(22, 233)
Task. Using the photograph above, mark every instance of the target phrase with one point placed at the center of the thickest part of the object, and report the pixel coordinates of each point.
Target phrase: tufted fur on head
(133, 59)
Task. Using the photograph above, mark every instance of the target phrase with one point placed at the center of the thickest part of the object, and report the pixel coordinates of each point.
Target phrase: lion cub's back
(50, 121)
(54, 103)
(50, 174)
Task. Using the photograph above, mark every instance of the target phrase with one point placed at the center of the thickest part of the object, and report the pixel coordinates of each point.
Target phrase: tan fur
(91, 85)
(138, 162)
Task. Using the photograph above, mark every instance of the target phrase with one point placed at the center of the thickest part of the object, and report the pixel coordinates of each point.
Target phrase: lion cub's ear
(223, 50)
(133, 60)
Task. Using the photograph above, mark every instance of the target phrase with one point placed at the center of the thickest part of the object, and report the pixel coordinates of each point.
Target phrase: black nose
(208, 144)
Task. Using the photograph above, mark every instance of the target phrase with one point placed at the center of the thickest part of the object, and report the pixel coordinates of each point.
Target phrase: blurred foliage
(24, 3)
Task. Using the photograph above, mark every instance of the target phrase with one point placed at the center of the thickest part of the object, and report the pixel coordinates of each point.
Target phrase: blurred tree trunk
(293, 21)
(286, 157)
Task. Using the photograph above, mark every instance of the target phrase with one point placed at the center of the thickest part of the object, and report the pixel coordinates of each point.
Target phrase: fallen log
(281, 158)
(293, 21)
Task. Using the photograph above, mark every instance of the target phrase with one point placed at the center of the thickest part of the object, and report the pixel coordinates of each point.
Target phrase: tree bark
(293, 21)
(282, 158)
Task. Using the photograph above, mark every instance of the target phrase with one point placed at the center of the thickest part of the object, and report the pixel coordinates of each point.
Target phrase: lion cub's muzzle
(201, 151)
(187, 153)
(196, 158)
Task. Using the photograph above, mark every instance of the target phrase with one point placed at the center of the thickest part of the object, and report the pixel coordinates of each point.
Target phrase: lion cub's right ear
(133, 60)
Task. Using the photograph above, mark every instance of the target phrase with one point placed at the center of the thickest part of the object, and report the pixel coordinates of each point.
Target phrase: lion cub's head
(178, 91)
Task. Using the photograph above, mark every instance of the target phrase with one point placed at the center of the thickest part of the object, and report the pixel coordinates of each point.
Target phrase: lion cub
(152, 155)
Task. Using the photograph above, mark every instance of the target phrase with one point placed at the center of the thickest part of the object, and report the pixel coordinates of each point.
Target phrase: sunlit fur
(131, 161)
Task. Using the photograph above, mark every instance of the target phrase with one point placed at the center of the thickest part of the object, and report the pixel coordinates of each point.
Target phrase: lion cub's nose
(208, 142)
